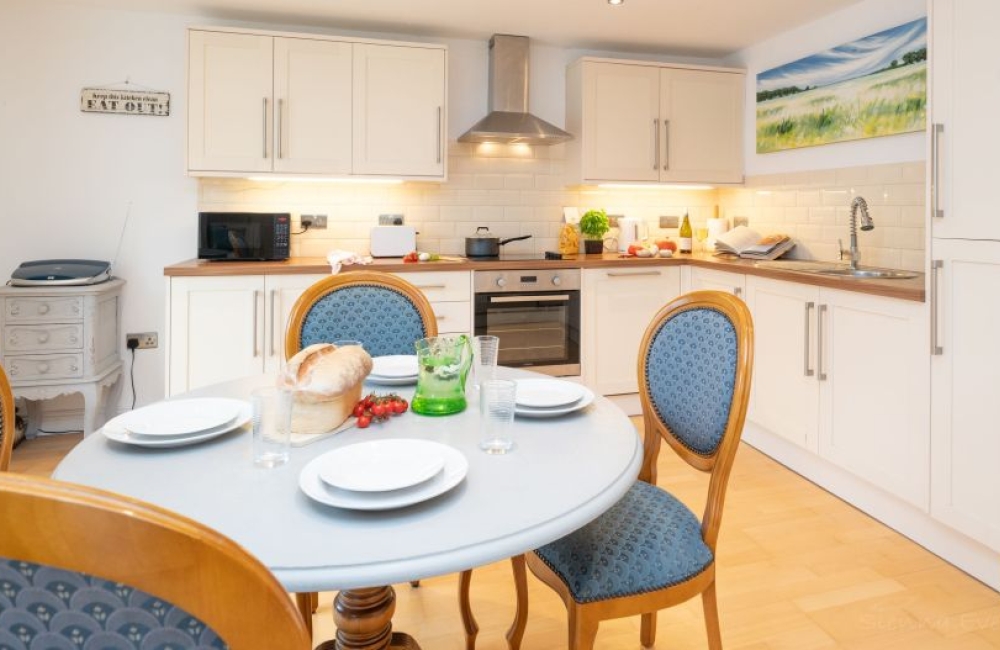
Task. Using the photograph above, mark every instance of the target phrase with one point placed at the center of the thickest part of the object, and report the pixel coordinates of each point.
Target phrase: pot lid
(482, 232)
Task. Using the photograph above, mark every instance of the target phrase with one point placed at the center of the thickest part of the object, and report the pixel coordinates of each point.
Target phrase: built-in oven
(536, 316)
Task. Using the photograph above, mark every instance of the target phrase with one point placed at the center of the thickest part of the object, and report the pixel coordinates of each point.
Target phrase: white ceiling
(700, 28)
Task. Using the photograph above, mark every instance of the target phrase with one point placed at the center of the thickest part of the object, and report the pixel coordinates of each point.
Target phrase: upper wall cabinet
(289, 104)
(651, 122)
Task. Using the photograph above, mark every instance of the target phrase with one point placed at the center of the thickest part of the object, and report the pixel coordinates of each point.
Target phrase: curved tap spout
(867, 224)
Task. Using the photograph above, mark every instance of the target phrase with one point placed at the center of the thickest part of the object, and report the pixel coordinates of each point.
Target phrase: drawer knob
(73, 367)
(73, 339)
(43, 368)
(14, 369)
(43, 337)
(15, 310)
(43, 308)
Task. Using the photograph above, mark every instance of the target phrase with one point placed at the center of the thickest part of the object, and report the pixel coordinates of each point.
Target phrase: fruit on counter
(424, 257)
(666, 252)
(412, 256)
(666, 243)
(416, 256)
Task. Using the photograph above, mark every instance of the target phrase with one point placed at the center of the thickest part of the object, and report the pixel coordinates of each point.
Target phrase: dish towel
(343, 258)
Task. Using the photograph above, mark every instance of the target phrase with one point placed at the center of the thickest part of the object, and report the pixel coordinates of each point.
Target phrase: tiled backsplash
(520, 190)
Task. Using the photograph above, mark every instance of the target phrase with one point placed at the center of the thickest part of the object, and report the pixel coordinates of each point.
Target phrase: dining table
(563, 472)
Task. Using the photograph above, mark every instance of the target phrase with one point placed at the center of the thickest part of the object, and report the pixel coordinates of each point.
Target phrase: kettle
(629, 232)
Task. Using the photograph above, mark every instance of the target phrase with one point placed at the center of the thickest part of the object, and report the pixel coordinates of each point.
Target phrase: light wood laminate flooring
(798, 569)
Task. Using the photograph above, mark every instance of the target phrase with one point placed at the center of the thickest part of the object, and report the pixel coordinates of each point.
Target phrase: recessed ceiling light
(615, 3)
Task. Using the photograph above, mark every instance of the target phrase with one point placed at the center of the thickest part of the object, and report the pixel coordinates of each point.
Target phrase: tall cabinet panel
(312, 106)
(229, 102)
(399, 110)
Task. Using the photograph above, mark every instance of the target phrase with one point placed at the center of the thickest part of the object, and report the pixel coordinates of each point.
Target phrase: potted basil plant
(594, 224)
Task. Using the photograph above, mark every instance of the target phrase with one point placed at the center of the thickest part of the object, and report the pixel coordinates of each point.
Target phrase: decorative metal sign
(128, 102)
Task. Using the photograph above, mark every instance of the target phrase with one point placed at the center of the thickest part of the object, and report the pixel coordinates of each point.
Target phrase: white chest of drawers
(60, 340)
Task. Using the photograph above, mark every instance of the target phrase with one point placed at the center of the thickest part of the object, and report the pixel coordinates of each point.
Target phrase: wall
(856, 21)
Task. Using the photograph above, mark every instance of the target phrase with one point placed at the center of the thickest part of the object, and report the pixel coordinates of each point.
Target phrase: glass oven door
(540, 330)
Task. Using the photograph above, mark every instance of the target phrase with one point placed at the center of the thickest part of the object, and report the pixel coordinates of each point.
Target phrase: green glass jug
(443, 363)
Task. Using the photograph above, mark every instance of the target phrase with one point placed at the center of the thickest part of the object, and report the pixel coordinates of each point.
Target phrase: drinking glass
(485, 350)
(272, 425)
(701, 234)
(497, 399)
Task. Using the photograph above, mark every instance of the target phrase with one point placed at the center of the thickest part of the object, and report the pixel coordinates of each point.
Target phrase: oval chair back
(384, 312)
(7, 418)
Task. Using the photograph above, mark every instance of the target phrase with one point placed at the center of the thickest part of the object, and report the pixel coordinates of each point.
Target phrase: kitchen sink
(836, 269)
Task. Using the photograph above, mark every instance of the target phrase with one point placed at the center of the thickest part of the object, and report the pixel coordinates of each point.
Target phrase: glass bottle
(684, 236)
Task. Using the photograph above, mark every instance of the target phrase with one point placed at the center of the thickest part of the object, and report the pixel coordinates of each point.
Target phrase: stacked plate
(383, 474)
(178, 422)
(546, 398)
(394, 370)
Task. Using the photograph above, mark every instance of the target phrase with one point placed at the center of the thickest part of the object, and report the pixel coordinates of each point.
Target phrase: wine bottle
(684, 236)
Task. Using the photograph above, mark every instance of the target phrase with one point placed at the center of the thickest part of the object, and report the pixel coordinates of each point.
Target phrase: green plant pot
(593, 246)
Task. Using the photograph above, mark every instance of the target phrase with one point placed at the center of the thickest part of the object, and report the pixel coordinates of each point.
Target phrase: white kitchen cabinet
(713, 280)
(652, 122)
(963, 105)
(296, 104)
(618, 305)
(450, 295)
(399, 110)
(226, 327)
(844, 375)
(966, 375)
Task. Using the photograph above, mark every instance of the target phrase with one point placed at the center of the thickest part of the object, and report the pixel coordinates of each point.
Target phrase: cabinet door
(281, 292)
(734, 283)
(964, 103)
(702, 126)
(965, 377)
(312, 94)
(785, 393)
(620, 122)
(229, 102)
(216, 330)
(874, 414)
(399, 110)
(618, 306)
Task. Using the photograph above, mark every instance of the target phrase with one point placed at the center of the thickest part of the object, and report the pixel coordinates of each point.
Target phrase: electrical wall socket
(319, 221)
(669, 222)
(741, 221)
(146, 340)
(390, 220)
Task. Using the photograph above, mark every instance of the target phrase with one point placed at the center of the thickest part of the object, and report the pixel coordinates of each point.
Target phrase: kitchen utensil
(443, 363)
(483, 244)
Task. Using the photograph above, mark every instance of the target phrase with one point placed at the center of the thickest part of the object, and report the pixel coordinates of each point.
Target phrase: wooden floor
(798, 569)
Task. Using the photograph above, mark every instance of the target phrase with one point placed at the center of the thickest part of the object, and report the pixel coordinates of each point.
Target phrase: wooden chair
(649, 551)
(7, 418)
(92, 566)
(384, 312)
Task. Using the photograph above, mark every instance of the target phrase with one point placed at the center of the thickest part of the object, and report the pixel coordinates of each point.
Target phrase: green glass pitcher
(443, 363)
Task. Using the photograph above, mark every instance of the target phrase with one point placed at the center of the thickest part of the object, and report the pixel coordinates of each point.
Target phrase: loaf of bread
(327, 383)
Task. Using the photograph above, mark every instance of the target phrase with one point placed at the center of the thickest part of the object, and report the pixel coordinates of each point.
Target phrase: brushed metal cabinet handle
(264, 125)
(440, 130)
(274, 330)
(936, 132)
(256, 320)
(626, 274)
(936, 266)
(737, 291)
(666, 145)
(281, 117)
(806, 370)
(820, 371)
(656, 145)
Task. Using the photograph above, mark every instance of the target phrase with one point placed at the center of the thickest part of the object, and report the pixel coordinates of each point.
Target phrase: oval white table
(563, 473)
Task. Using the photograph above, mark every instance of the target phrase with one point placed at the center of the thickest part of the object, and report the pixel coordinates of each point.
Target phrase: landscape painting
(867, 88)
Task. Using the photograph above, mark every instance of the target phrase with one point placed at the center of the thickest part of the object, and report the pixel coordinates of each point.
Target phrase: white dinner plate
(395, 366)
(381, 465)
(113, 430)
(548, 393)
(454, 470)
(182, 417)
(529, 412)
(391, 381)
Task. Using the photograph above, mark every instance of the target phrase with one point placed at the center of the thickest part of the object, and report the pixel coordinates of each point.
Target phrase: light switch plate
(390, 220)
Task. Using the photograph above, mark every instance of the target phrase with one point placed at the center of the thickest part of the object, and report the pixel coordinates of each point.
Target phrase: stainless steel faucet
(866, 225)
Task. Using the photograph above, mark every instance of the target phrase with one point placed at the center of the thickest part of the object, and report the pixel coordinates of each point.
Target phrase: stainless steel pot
(483, 244)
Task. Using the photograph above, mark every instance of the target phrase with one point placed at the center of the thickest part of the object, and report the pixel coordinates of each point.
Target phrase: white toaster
(393, 241)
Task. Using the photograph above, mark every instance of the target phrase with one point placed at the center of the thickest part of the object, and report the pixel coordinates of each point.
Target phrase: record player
(60, 273)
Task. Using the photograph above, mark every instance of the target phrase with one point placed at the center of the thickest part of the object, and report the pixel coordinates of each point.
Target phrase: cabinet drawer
(48, 366)
(452, 317)
(34, 310)
(442, 285)
(42, 338)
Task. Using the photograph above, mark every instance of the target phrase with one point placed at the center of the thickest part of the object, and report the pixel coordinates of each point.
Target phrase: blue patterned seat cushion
(43, 608)
(691, 372)
(647, 541)
(384, 320)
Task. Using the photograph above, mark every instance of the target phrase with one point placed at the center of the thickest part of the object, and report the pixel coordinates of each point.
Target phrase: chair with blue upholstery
(85, 568)
(649, 551)
(384, 312)
(6, 421)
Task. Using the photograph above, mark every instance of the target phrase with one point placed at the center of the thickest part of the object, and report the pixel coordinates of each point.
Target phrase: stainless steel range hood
(509, 121)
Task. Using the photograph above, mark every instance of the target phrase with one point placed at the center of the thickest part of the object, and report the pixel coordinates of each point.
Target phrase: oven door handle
(559, 298)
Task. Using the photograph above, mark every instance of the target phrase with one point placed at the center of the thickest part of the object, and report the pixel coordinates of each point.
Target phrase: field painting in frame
(867, 88)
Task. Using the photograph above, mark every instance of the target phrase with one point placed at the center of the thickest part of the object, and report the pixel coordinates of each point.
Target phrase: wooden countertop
(909, 289)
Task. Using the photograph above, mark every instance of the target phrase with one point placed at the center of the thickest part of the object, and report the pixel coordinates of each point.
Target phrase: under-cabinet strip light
(652, 186)
(308, 179)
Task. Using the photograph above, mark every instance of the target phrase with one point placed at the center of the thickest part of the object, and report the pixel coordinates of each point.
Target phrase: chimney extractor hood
(509, 121)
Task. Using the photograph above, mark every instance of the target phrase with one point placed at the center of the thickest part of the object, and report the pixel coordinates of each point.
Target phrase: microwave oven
(243, 235)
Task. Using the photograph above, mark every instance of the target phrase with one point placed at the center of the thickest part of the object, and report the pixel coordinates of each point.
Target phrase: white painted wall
(846, 25)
